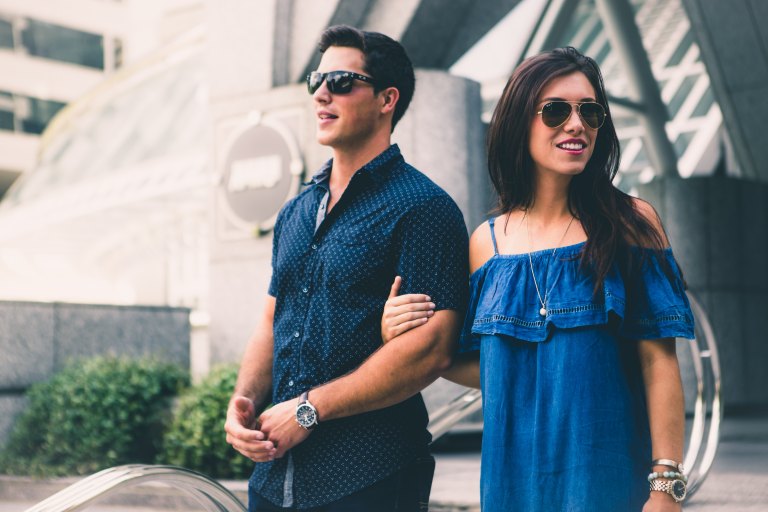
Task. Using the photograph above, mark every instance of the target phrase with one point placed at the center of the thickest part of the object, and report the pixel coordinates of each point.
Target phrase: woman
(575, 304)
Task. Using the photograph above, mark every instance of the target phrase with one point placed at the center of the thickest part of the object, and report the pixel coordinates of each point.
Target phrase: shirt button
(305, 289)
(290, 383)
(296, 334)
(314, 246)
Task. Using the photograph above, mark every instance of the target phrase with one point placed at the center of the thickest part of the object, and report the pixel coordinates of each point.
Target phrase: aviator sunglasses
(556, 113)
(338, 82)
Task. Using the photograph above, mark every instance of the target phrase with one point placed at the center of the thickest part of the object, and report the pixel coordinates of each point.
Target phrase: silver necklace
(543, 301)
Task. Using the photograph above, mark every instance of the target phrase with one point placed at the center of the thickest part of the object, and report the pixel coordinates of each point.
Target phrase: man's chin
(324, 139)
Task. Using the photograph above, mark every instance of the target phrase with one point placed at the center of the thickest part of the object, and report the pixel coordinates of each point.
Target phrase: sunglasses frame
(573, 104)
(344, 74)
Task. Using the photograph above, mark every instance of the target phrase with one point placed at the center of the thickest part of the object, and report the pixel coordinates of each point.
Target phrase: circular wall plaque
(262, 170)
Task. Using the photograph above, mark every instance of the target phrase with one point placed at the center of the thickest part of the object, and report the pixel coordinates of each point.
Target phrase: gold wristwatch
(675, 488)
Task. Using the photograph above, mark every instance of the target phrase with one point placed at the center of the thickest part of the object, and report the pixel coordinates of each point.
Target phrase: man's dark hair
(385, 61)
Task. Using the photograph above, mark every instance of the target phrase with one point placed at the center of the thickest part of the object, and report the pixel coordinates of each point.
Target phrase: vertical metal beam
(554, 19)
(621, 29)
(281, 53)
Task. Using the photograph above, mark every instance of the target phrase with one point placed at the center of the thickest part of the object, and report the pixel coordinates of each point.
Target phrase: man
(348, 427)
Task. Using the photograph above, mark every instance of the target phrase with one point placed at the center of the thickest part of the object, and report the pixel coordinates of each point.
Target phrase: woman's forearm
(465, 370)
(664, 395)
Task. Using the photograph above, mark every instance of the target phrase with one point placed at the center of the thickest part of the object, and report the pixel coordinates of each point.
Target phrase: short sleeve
(434, 254)
(274, 284)
(656, 304)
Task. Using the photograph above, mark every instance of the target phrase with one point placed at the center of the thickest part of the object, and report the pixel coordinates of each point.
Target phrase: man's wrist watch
(306, 414)
(675, 488)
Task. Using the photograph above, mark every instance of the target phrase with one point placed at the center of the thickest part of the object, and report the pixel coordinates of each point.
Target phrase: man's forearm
(397, 371)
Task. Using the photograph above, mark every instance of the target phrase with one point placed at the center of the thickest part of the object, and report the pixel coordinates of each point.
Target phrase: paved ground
(738, 481)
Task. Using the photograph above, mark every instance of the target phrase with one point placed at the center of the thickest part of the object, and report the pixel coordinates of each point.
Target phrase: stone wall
(39, 339)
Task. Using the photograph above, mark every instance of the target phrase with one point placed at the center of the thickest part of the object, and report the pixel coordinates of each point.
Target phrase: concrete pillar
(717, 227)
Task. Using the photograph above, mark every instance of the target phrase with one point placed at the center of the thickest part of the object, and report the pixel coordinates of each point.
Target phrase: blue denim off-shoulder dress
(565, 420)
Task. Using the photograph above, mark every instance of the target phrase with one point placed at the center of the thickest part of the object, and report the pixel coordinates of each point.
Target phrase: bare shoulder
(649, 213)
(480, 246)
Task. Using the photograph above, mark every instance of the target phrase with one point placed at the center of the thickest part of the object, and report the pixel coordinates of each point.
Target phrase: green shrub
(94, 414)
(196, 438)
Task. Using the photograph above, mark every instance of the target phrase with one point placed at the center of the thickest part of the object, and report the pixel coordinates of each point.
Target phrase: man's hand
(241, 428)
(279, 424)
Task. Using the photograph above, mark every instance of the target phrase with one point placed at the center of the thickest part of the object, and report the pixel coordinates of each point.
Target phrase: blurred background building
(151, 143)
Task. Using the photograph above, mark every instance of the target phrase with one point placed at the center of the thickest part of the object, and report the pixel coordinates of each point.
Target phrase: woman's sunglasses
(338, 82)
(556, 113)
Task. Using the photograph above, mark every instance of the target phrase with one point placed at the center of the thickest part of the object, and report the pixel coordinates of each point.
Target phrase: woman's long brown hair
(608, 215)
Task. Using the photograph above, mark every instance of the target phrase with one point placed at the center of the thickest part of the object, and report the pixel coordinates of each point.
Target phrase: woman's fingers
(402, 318)
(411, 298)
(395, 287)
(407, 326)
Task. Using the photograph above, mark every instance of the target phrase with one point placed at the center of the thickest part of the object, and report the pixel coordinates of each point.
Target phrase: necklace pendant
(543, 311)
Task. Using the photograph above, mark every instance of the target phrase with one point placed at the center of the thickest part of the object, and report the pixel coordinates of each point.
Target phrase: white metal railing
(211, 495)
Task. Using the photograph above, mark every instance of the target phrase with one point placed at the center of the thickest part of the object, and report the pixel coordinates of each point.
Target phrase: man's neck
(347, 161)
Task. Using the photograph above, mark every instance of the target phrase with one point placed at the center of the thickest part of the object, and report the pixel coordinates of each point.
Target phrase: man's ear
(389, 96)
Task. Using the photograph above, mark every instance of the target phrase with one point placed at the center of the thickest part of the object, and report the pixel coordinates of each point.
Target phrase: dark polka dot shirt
(331, 277)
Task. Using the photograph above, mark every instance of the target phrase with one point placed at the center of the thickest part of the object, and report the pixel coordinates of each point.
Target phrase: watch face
(678, 489)
(306, 416)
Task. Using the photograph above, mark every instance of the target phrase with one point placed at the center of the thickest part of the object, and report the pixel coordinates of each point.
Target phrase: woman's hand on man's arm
(403, 313)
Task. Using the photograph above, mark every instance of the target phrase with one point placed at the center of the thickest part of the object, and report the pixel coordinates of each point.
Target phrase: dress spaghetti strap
(493, 235)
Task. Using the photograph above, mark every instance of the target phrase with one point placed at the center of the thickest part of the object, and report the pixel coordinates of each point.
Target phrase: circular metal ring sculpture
(211, 495)
(708, 410)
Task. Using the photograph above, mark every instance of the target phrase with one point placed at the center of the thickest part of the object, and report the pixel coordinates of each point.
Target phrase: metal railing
(211, 495)
(708, 409)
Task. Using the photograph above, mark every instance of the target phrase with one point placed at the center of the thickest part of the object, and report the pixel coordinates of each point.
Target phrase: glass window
(596, 30)
(6, 33)
(6, 111)
(63, 44)
(681, 144)
(6, 120)
(38, 114)
(681, 95)
(705, 103)
(681, 50)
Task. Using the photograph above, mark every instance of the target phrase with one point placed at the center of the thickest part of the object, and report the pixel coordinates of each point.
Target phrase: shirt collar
(374, 168)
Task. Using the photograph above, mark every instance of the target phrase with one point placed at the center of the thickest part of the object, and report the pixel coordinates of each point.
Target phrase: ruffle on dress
(504, 301)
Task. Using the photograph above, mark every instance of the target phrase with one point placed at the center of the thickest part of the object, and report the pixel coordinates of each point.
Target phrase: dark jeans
(405, 491)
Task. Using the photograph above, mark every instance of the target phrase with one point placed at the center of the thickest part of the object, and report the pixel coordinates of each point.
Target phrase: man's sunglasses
(556, 113)
(338, 82)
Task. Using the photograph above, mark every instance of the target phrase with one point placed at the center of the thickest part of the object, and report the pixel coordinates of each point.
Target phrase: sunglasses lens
(592, 114)
(339, 83)
(555, 113)
(314, 80)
